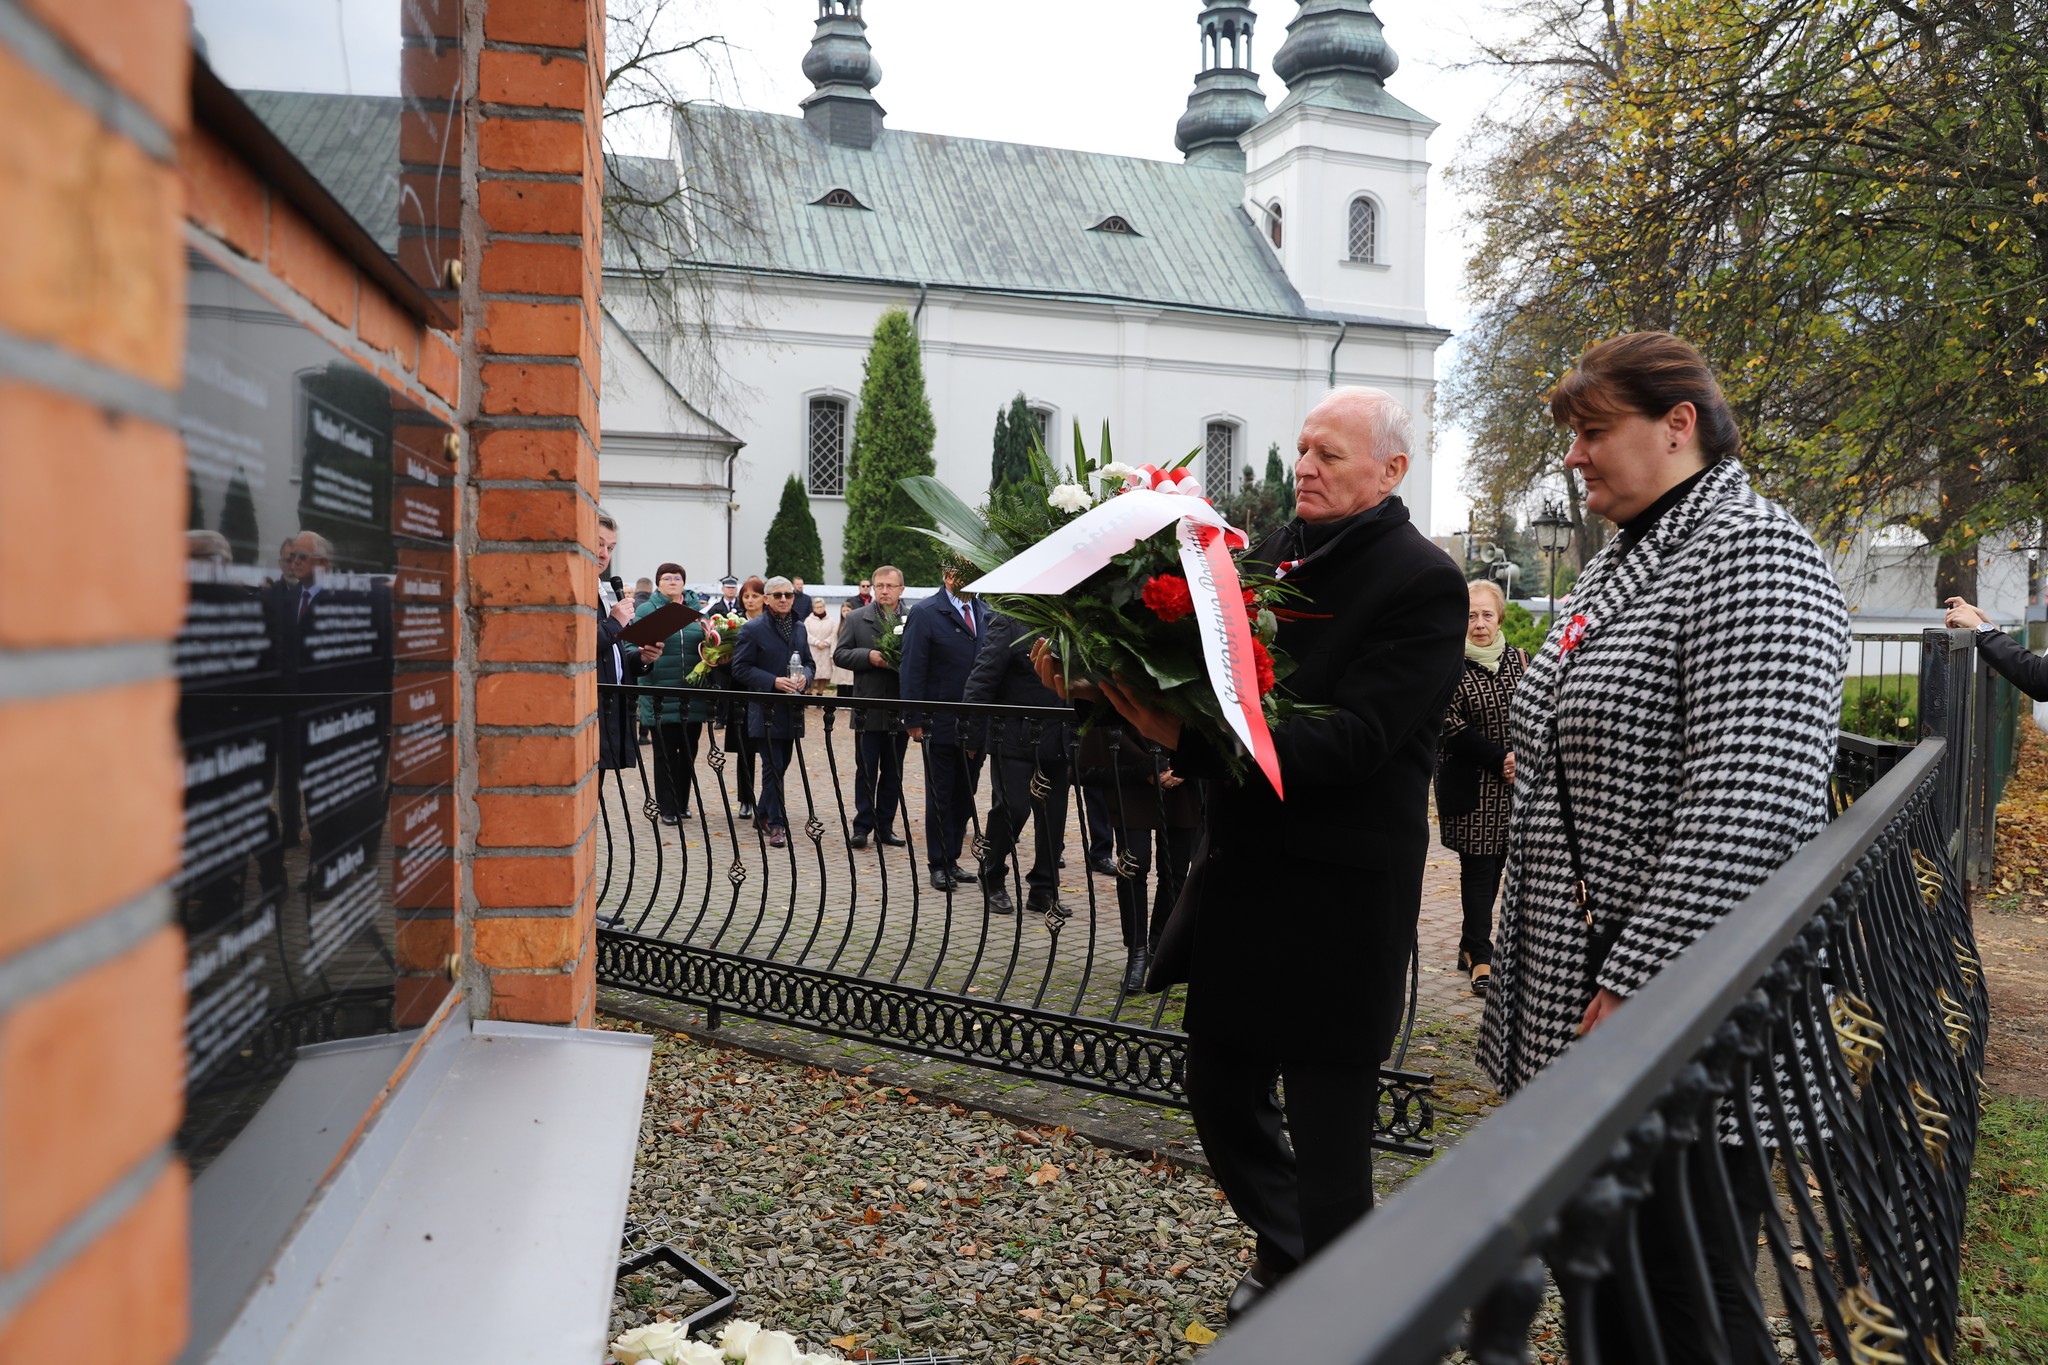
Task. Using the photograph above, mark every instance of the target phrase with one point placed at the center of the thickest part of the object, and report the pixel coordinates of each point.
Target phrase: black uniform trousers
(1141, 922)
(877, 779)
(1012, 806)
(675, 757)
(1478, 883)
(950, 780)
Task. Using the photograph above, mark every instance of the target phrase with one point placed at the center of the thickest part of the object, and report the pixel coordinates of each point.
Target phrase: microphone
(618, 585)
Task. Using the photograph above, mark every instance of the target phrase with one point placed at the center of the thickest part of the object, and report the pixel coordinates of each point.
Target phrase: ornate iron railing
(1853, 969)
(857, 943)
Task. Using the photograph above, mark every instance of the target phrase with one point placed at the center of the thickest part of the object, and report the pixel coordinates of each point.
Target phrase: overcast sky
(1099, 75)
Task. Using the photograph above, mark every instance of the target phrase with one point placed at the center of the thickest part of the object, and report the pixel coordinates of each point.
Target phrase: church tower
(1227, 100)
(842, 107)
(1337, 176)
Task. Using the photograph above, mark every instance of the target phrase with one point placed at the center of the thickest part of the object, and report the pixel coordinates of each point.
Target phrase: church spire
(1336, 55)
(1226, 99)
(842, 107)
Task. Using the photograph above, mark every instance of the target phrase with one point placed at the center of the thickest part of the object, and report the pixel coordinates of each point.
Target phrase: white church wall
(1157, 375)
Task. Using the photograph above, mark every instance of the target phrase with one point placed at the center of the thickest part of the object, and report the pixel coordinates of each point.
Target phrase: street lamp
(1552, 534)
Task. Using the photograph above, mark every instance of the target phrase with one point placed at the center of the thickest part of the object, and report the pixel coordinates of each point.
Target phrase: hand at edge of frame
(1604, 1004)
(1156, 725)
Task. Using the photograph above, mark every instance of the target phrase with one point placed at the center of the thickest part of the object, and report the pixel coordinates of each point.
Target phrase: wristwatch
(1987, 627)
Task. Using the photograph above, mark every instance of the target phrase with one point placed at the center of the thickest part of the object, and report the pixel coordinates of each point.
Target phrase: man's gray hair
(776, 581)
(606, 520)
(1388, 424)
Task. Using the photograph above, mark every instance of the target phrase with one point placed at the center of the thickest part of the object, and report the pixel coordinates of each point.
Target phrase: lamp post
(1553, 532)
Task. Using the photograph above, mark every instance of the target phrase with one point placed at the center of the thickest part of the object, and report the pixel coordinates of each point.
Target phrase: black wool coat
(1308, 906)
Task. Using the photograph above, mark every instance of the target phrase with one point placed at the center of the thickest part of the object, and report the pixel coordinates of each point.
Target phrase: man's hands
(649, 653)
(1507, 769)
(1156, 725)
(1963, 616)
(916, 732)
(622, 611)
(786, 684)
(1049, 673)
(875, 659)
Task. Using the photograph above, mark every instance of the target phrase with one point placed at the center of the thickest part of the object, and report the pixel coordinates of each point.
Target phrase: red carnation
(1263, 662)
(1167, 594)
(1251, 600)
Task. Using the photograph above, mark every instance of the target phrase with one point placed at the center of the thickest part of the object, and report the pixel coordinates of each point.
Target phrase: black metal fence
(1804, 1077)
(724, 910)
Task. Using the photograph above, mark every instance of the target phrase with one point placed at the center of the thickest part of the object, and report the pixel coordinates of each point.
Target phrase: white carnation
(1130, 474)
(1070, 497)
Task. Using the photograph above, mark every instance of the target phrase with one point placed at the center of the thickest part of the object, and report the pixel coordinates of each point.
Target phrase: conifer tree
(1016, 429)
(1279, 479)
(892, 440)
(793, 548)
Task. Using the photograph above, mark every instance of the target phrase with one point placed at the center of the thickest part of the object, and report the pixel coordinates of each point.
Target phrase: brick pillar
(92, 100)
(530, 305)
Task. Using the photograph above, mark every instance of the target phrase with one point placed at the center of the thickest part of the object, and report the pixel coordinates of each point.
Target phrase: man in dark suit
(618, 730)
(1004, 674)
(878, 739)
(804, 605)
(940, 638)
(774, 655)
(1304, 913)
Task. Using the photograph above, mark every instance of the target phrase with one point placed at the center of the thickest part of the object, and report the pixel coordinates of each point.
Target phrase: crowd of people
(1616, 795)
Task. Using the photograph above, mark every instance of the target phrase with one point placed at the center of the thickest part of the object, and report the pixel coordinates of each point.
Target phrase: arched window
(1273, 223)
(825, 468)
(1041, 418)
(1117, 224)
(839, 199)
(1219, 459)
(1364, 235)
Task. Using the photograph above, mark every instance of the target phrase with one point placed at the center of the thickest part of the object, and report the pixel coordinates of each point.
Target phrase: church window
(1117, 224)
(840, 199)
(1219, 458)
(1273, 223)
(1041, 418)
(1365, 230)
(827, 464)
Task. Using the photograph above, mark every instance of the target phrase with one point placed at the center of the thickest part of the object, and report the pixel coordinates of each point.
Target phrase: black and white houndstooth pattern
(1697, 720)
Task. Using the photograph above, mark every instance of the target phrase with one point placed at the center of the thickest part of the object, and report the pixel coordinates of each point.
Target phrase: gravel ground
(841, 1207)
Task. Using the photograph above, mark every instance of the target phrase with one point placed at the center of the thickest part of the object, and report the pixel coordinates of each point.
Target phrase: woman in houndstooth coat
(1691, 686)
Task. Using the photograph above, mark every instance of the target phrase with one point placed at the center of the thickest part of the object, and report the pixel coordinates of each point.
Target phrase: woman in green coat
(675, 723)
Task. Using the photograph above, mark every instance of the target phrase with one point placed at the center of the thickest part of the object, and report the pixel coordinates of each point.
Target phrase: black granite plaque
(317, 703)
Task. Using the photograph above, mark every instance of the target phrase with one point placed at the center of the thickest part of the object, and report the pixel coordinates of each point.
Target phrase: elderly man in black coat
(1304, 910)
(879, 742)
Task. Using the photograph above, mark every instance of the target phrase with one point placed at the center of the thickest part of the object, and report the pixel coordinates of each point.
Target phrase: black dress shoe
(669, 820)
(1136, 962)
(998, 901)
(962, 876)
(942, 880)
(1102, 865)
(1046, 908)
(746, 810)
(1256, 1284)
(857, 841)
(889, 840)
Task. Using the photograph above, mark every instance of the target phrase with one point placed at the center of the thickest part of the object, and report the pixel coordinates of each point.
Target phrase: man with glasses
(774, 655)
(878, 739)
(865, 597)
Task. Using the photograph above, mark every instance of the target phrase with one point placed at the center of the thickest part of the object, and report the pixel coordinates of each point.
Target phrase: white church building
(1205, 303)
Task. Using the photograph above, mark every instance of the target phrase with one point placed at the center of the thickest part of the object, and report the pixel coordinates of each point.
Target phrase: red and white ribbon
(1085, 545)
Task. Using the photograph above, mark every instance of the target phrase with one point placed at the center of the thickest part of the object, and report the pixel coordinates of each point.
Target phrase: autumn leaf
(1198, 1334)
(918, 1186)
(847, 1342)
(871, 1217)
(1035, 1314)
(1044, 1175)
(995, 1172)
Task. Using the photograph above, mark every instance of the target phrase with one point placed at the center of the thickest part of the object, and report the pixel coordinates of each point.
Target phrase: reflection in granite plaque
(317, 716)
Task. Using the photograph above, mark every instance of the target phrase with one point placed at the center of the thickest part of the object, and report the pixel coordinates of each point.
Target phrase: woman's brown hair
(1647, 373)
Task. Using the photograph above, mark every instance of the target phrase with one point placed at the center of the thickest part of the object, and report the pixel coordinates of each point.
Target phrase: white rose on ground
(1070, 497)
(735, 1336)
(657, 1341)
(772, 1348)
(699, 1353)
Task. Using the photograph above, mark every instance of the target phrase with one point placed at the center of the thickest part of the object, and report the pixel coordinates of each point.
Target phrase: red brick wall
(92, 104)
(531, 303)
